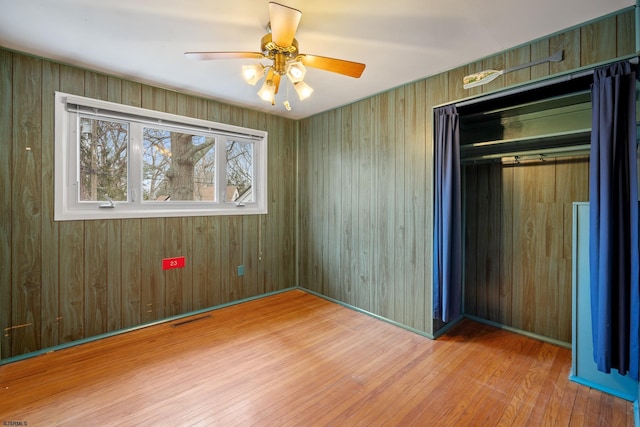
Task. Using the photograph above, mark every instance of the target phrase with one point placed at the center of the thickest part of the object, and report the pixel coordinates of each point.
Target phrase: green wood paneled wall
(366, 178)
(65, 281)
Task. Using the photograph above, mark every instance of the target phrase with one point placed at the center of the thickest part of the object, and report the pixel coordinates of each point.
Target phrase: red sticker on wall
(169, 263)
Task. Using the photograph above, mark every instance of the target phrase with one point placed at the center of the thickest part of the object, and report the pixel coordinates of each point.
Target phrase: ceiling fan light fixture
(268, 91)
(303, 90)
(280, 47)
(253, 73)
(296, 71)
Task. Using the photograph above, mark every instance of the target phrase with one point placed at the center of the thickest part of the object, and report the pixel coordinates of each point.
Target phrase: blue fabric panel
(613, 197)
(447, 234)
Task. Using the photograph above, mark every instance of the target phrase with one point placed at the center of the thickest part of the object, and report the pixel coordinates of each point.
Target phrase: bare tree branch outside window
(103, 159)
(240, 166)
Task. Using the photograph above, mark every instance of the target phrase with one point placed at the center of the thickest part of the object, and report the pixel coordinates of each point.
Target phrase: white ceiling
(400, 41)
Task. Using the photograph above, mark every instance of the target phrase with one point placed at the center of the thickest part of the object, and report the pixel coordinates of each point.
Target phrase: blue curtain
(447, 234)
(613, 198)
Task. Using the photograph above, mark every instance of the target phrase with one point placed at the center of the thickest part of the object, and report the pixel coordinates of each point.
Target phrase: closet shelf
(541, 145)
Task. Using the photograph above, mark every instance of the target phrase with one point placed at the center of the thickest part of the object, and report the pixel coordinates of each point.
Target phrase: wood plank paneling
(399, 239)
(231, 235)
(49, 242)
(366, 199)
(131, 273)
(333, 166)
(65, 281)
(202, 227)
(152, 293)
(386, 223)
(304, 208)
(115, 300)
(415, 175)
(26, 205)
(323, 203)
(271, 228)
(71, 304)
(518, 56)
(507, 265)
(6, 146)
(348, 216)
(95, 277)
(569, 43)
(540, 49)
(471, 233)
(598, 41)
(282, 225)
(625, 23)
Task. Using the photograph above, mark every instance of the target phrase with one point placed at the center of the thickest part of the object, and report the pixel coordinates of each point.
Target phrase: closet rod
(576, 150)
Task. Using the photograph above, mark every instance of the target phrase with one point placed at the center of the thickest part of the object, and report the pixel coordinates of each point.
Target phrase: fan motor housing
(269, 48)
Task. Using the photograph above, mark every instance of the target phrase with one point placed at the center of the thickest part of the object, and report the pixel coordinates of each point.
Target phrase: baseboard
(368, 313)
(520, 332)
(134, 328)
(604, 389)
(443, 330)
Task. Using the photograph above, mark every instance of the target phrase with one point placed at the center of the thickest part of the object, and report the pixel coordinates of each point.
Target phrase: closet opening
(524, 162)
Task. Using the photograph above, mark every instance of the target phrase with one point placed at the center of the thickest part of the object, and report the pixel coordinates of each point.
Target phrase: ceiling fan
(280, 46)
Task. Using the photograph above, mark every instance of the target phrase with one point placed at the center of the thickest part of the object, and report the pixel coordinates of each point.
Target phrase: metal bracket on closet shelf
(541, 157)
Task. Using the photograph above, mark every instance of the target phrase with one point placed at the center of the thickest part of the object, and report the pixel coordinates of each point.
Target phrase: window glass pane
(239, 172)
(178, 166)
(103, 159)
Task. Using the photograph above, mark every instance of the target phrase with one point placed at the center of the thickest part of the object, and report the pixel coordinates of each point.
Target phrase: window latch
(109, 203)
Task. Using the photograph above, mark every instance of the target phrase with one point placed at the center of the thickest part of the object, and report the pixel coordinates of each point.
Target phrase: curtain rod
(542, 83)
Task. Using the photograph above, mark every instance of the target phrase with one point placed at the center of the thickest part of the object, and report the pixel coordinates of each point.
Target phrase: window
(116, 161)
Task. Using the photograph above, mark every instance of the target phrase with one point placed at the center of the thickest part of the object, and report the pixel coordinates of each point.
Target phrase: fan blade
(340, 66)
(203, 56)
(284, 23)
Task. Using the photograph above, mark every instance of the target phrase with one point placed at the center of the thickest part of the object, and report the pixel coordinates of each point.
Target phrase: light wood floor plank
(293, 359)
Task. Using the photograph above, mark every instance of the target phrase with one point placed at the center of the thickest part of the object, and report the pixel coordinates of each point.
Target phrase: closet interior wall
(518, 242)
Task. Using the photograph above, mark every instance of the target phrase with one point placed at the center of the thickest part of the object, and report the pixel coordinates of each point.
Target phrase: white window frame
(67, 204)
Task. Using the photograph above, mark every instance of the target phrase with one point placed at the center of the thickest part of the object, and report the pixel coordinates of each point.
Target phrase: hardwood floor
(293, 359)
